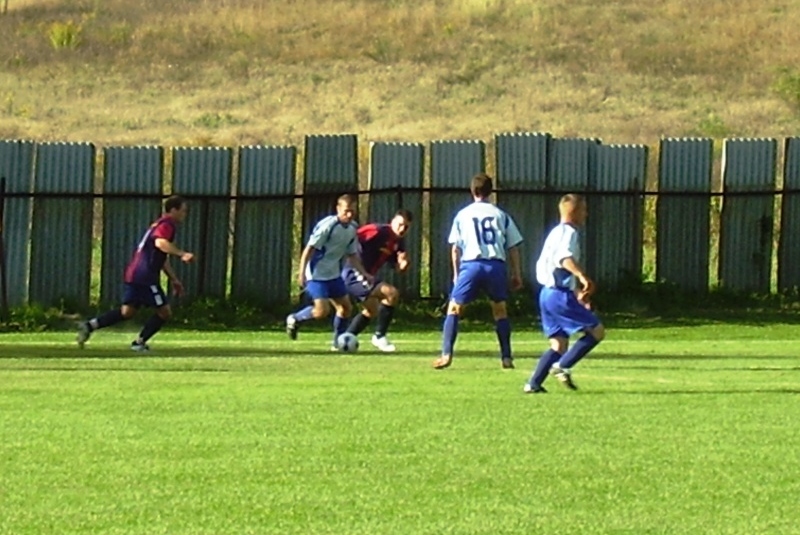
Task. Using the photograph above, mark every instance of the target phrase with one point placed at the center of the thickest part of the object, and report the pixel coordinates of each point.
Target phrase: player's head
(176, 207)
(481, 186)
(572, 208)
(401, 222)
(345, 208)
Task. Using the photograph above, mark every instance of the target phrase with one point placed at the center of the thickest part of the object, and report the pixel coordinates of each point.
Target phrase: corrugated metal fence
(248, 220)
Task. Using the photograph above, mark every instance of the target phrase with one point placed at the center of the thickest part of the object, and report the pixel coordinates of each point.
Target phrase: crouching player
(378, 244)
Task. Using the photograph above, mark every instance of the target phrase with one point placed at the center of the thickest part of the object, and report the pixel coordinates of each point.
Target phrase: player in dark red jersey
(142, 286)
(378, 244)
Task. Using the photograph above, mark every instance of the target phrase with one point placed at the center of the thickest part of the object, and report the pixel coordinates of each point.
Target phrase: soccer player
(482, 238)
(142, 286)
(332, 241)
(378, 244)
(564, 299)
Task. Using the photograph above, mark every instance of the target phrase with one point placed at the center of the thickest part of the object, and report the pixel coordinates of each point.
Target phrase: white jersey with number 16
(484, 231)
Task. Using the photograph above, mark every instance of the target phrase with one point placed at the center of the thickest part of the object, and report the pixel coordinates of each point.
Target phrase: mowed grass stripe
(253, 434)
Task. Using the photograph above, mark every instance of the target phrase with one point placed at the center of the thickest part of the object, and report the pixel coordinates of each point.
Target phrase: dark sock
(339, 326)
(358, 324)
(385, 314)
(111, 317)
(503, 329)
(153, 325)
(449, 334)
(547, 360)
(578, 350)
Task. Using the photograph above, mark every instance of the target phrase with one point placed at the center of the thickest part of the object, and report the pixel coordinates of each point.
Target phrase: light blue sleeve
(321, 232)
(513, 235)
(352, 247)
(455, 231)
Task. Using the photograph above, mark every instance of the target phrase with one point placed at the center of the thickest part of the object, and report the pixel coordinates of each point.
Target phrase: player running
(142, 286)
(564, 306)
(332, 241)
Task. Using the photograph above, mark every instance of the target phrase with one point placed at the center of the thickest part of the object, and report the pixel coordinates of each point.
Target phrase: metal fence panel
(331, 169)
(400, 166)
(16, 165)
(614, 228)
(745, 245)
(683, 222)
(203, 171)
(521, 163)
(61, 234)
(263, 237)
(789, 245)
(453, 164)
(132, 171)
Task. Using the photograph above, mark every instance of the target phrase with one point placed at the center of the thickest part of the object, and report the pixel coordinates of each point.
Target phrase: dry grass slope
(270, 71)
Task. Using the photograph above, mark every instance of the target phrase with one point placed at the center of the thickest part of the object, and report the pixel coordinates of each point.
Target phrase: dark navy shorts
(562, 314)
(357, 286)
(143, 295)
(330, 289)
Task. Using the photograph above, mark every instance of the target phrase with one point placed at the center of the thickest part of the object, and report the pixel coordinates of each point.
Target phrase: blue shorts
(143, 295)
(490, 276)
(357, 286)
(330, 289)
(562, 314)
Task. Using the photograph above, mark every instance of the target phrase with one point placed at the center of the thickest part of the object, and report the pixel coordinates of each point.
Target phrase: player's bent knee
(559, 345)
(598, 333)
(165, 312)
(499, 310)
(320, 310)
(127, 312)
(391, 294)
(454, 308)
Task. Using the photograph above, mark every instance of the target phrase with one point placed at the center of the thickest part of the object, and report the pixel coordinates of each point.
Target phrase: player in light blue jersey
(483, 240)
(563, 304)
(332, 241)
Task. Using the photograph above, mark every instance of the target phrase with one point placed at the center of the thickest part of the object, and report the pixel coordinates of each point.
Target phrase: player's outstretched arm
(168, 247)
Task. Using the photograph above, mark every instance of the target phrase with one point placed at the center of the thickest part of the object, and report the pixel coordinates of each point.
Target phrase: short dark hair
(405, 213)
(481, 185)
(174, 202)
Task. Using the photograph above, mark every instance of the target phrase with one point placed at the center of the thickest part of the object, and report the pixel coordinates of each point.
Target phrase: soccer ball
(347, 343)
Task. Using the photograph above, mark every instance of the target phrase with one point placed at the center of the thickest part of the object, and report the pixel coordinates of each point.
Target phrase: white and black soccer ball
(347, 343)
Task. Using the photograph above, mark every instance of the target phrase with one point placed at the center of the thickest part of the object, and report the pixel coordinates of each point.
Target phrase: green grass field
(676, 429)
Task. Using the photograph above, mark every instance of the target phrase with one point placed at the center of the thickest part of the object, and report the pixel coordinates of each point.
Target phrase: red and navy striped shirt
(379, 244)
(148, 260)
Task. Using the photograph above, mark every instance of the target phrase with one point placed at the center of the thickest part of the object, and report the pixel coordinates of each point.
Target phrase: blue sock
(449, 334)
(304, 314)
(339, 326)
(578, 350)
(503, 329)
(548, 358)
